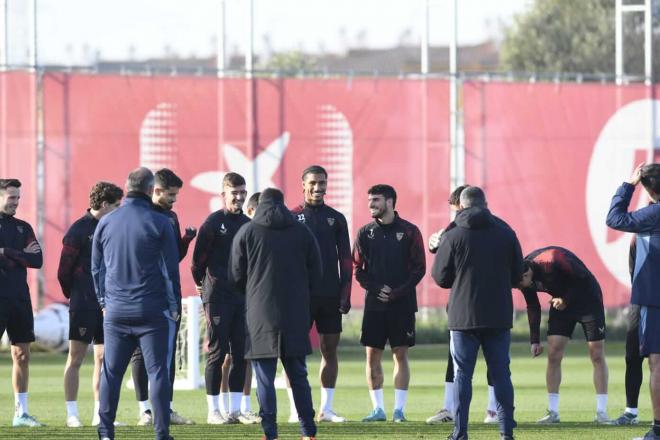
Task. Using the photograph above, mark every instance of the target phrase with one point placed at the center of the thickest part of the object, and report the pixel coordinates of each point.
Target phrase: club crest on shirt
(331, 221)
(399, 236)
(91, 237)
(82, 331)
(223, 229)
(20, 229)
(216, 320)
(371, 234)
(301, 218)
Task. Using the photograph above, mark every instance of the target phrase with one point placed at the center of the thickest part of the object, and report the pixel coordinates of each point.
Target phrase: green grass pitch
(577, 406)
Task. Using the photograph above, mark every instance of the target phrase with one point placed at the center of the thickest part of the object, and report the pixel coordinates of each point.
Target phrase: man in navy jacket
(646, 278)
(135, 269)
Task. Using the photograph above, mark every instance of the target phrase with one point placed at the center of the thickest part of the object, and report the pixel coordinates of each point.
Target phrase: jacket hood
(273, 214)
(474, 218)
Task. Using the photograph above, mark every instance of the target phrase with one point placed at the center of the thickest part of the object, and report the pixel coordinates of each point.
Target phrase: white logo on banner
(258, 172)
(158, 137)
(336, 155)
(630, 130)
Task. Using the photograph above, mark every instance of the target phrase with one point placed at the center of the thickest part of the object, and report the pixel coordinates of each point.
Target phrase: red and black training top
(15, 236)
(561, 274)
(330, 228)
(183, 241)
(391, 255)
(74, 272)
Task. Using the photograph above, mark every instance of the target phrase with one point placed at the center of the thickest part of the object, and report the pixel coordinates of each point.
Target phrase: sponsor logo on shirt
(399, 236)
(331, 221)
(301, 218)
(223, 229)
(371, 234)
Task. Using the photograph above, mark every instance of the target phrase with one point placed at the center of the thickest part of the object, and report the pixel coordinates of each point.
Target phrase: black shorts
(324, 310)
(396, 326)
(17, 319)
(225, 325)
(562, 323)
(86, 326)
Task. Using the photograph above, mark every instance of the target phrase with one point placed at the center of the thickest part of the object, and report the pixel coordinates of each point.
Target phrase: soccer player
(248, 417)
(275, 262)
(135, 267)
(166, 189)
(85, 317)
(480, 260)
(646, 281)
(19, 250)
(388, 256)
(446, 414)
(576, 298)
(223, 304)
(333, 297)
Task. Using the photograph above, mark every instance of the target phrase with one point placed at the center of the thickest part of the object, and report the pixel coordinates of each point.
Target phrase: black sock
(656, 427)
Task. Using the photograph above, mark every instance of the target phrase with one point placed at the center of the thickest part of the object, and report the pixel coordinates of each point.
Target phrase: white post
(618, 23)
(249, 49)
(648, 42)
(424, 56)
(457, 155)
(220, 50)
(33, 51)
(194, 378)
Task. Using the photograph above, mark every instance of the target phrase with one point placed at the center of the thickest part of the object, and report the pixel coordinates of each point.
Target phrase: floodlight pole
(457, 154)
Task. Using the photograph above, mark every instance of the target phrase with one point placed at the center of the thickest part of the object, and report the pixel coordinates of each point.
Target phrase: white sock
(71, 408)
(292, 403)
(601, 403)
(632, 411)
(245, 404)
(144, 406)
(213, 402)
(377, 398)
(553, 402)
(400, 397)
(449, 397)
(235, 402)
(97, 407)
(21, 403)
(327, 395)
(492, 401)
(224, 403)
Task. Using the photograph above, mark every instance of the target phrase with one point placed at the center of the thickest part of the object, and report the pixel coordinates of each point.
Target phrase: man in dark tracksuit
(576, 298)
(333, 298)
(223, 304)
(275, 261)
(446, 414)
(166, 190)
(389, 261)
(645, 223)
(480, 260)
(136, 277)
(85, 317)
(19, 250)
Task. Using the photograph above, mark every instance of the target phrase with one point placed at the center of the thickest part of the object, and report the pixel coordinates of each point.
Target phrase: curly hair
(104, 192)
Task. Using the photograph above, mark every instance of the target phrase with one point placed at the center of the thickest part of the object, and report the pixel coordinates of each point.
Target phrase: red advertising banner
(550, 157)
(364, 131)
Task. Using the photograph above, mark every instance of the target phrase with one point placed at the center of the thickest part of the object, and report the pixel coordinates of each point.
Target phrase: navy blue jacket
(331, 231)
(15, 236)
(75, 270)
(646, 223)
(135, 261)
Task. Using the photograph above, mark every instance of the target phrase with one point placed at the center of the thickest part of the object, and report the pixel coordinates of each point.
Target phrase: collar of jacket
(227, 212)
(138, 197)
(395, 221)
(306, 205)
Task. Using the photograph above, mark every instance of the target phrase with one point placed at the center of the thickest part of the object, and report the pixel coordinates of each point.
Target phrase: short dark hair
(104, 192)
(473, 196)
(527, 265)
(271, 195)
(253, 201)
(165, 178)
(140, 180)
(314, 169)
(455, 196)
(386, 191)
(233, 180)
(650, 177)
(6, 183)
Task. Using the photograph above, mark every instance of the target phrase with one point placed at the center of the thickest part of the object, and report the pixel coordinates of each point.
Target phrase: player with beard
(388, 256)
(333, 297)
(576, 298)
(166, 189)
(224, 306)
(19, 250)
(85, 316)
